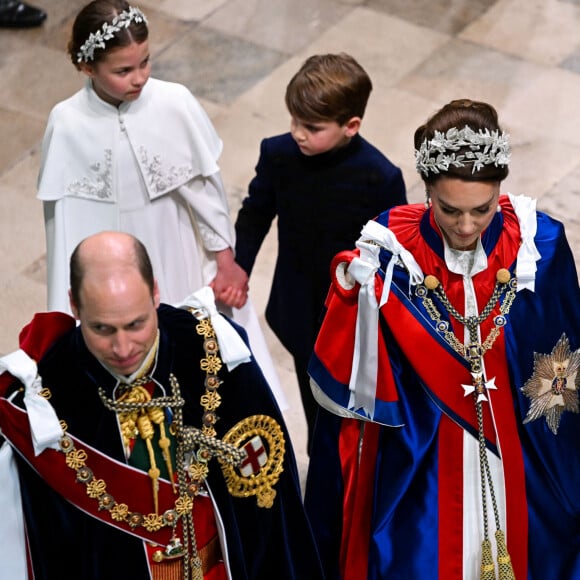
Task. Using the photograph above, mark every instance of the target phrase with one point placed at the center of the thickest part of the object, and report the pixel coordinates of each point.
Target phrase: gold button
(503, 276)
(431, 282)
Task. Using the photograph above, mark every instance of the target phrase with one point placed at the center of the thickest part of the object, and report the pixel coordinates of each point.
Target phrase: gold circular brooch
(262, 440)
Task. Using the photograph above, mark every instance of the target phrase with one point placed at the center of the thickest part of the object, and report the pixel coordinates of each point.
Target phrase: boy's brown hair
(329, 87)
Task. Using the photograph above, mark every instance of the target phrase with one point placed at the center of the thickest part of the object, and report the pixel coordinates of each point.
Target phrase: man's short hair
(329, 87)
(77, 269)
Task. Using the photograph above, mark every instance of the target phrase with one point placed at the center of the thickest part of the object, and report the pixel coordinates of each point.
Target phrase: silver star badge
(553, 386)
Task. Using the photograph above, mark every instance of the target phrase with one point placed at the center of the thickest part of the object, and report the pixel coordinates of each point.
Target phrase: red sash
(125, 483)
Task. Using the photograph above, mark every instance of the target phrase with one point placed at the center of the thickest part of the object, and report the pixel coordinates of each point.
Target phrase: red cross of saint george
(255, 458)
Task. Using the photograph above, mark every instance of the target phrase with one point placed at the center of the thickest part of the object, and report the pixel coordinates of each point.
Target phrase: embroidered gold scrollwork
(184, 505)
(96, 488)
(76, 458)
(120, 512)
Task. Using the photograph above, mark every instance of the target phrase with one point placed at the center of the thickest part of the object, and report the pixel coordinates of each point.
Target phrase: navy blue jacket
(321, 203)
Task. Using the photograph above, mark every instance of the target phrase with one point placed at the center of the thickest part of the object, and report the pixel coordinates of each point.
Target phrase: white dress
(149, 168)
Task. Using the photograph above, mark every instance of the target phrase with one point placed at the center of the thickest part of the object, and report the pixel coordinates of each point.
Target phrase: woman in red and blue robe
(394, 487)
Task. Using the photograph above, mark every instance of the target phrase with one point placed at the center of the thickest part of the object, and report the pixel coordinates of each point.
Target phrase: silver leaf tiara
(484, 147)
(99, 39)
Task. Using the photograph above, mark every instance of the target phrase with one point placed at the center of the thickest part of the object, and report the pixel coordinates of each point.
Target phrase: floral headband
(483, 147)
(99, 39)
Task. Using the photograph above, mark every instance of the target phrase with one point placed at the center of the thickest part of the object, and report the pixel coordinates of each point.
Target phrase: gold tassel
(128, 428)
(504, 562)
(487, 565)
(196, 568)
(128, 420)
(146, 432)
(158, 416)
(170, 570)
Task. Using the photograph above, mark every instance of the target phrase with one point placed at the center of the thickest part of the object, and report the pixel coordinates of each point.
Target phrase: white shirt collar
(465, 262)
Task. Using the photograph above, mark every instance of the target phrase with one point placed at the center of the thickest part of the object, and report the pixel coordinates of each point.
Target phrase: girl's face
(463, 209)
(121, 74)
(318, 137)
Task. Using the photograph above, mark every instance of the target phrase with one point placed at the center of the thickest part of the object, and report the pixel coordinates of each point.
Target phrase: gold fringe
(504, 562)
(171, 570)
(487, 565)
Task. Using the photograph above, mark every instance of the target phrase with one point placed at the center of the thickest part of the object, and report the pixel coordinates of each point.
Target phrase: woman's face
(463, 209)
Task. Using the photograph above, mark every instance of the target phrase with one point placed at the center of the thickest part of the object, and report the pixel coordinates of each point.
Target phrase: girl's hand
(230, 284)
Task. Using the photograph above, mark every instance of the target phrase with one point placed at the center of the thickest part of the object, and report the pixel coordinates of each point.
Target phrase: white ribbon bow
(363, 378)
(44, 424)
(528, 255)
(233, 350)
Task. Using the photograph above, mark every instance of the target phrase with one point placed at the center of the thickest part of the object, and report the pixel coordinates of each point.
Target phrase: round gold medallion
(263, 441)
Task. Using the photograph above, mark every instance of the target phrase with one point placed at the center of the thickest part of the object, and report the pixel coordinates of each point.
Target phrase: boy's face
(315, 137)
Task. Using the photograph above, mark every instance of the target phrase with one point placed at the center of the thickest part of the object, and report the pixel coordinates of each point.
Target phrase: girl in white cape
(136, 154)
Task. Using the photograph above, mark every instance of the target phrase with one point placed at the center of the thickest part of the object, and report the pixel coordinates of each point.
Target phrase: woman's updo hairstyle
(457, 114)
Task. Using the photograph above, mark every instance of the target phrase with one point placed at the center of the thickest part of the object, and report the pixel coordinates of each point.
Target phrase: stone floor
(237, 56)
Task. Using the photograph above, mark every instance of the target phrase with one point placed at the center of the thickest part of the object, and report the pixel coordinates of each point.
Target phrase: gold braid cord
(76, 459)
(473, 352)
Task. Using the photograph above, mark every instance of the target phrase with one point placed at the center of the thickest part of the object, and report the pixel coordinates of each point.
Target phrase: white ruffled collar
(465, 262)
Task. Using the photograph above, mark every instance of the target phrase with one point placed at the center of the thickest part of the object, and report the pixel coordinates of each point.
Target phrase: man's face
(118, 319)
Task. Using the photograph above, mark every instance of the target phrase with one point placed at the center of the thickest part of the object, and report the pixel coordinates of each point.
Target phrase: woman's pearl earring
(498, 208)
(427, 200)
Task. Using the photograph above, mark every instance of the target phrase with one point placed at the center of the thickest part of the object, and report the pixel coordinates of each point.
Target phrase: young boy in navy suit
(323, 182)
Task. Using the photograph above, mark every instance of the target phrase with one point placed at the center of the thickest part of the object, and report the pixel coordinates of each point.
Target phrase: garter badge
(262, 441)
(553, 386)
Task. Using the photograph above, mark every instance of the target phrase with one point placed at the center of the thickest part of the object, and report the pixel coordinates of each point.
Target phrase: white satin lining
(12, 546)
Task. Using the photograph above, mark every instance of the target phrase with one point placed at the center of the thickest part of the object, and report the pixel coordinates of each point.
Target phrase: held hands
(230, 284)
